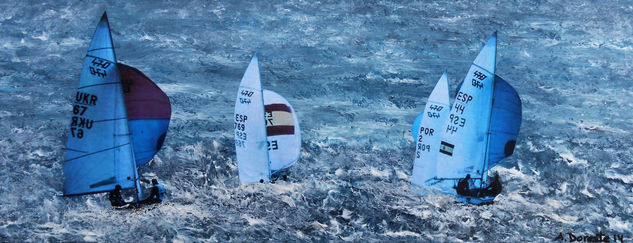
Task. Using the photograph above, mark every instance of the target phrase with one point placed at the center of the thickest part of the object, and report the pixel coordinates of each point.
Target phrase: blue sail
(504, 123)
(99, 152)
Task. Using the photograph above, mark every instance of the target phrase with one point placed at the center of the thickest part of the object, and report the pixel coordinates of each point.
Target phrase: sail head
(438, 95)
(101, 45)
(488, 55)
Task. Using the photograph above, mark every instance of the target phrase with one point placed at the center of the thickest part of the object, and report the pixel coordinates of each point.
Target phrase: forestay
(464, 134)
(250, 129)
(98, 150)
(282, 128)
(428, 131)
(148, 113)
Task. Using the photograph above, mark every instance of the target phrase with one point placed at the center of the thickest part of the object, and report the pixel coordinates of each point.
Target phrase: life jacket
(161, 191)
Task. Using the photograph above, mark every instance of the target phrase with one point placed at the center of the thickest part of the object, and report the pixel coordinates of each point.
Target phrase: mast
(261, 91)
(137, 185)
(484, 176)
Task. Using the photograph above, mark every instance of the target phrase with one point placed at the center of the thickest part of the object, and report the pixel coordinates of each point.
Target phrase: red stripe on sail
(143, 98)
(276, 107)
(280, 130)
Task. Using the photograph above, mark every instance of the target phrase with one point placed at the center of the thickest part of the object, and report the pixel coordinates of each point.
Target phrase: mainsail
(148, 113)
(428, 131)
(282, 128)
(465, 131)
(251, 144)
(99, 150)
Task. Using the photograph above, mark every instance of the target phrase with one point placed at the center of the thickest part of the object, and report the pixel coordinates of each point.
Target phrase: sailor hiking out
(156, 195)
(115, 197)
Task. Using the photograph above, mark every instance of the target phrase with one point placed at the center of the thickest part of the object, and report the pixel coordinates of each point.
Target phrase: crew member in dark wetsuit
(463, 186)
(156, 195)
(115, 197)
(495, 186)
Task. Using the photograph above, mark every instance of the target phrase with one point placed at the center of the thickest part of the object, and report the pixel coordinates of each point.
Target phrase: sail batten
(96, 152)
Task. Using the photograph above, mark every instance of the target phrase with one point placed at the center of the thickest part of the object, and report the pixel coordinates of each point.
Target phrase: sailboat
(480, 130)
(267, 132)
(114, 127)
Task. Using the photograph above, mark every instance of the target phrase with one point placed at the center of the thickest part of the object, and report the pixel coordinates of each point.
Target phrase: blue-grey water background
(357, 73)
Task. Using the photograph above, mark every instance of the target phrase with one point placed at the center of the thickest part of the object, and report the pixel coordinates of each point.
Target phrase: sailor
(495, 186)
(463, 185)
(115, 197)
(156, 195)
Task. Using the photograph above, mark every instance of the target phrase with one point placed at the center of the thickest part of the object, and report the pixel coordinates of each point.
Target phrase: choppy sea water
(357, 73)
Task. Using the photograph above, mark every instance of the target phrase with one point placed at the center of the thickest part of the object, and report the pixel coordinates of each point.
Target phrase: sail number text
(435, 109)
(240, 130)
(422, 148)
(272, 145)
(78, 121)
(98, 67)
(245, 96)
(477, 82)
(455, 122)
(464, 97)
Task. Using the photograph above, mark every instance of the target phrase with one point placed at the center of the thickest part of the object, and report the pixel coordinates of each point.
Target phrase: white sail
(465, 131)
(250, 130)
(428, 132)
(284, 134)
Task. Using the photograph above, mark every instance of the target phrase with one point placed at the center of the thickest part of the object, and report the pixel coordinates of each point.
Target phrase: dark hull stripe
(276, 107)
